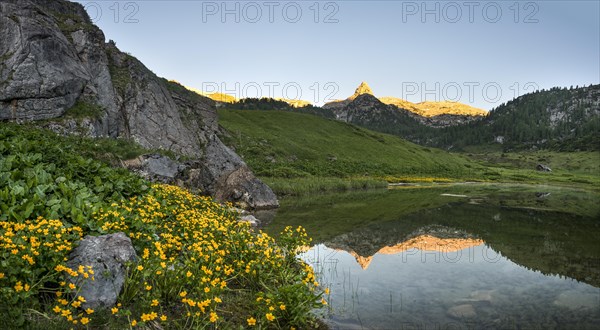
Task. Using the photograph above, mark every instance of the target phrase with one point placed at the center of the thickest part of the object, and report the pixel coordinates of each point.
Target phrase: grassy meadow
(300, 153)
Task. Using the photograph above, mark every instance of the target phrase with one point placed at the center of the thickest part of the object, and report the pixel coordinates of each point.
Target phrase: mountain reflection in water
(434, 258)
(421, 242)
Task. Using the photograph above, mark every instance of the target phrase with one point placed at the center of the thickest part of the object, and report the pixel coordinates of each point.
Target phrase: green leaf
(28, 209)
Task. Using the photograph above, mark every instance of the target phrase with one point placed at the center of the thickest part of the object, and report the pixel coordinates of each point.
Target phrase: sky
(481, 53)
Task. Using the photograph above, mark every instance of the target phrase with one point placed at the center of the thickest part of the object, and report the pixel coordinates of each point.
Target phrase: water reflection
(423, 243)
(471, 288)
(455, 257)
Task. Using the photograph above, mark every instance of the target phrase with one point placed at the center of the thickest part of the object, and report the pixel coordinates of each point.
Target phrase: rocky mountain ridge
(565, 119)
(432, 114)
(429, 113)
(54, 59)
(363, 88)
(435, 108)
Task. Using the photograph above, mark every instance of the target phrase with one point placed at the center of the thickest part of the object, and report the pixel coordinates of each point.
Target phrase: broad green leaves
(40, 175)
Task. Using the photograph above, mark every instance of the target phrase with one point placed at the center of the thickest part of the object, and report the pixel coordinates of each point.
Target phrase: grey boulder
(543, 168)
(108, 256)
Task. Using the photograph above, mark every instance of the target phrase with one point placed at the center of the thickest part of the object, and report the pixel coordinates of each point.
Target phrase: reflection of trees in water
(553, 243)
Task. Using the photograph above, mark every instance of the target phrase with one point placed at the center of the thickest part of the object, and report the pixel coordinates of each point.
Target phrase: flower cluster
(196, 257)
(35, 252)
(197, 262)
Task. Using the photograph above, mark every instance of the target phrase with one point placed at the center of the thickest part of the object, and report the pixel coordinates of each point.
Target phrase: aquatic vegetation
(396, 179)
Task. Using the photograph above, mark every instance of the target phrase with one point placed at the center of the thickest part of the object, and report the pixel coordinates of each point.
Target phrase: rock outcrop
(543, 168)
(54, 59)
(367, 111)
(363, 88)
(433, 114)
(107, 255)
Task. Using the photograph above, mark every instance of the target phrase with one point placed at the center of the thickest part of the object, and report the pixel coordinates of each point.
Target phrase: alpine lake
(459, 256)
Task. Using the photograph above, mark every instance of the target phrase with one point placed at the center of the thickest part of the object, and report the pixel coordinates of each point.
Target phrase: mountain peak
(363, 88)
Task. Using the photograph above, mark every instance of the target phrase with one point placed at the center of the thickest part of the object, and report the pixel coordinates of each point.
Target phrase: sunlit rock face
(435, 108)
(363, 88)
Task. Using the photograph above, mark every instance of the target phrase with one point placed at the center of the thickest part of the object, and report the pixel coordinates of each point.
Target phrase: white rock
(462, 311)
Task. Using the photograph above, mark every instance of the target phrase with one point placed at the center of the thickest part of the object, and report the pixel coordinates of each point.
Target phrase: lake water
(464, 256)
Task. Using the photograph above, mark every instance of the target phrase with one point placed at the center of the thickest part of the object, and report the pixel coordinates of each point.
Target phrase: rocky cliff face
(52, 59)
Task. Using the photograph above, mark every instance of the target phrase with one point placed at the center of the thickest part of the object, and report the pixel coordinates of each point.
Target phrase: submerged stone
(462, 311)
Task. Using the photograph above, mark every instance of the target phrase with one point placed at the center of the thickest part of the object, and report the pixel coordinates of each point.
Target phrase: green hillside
(299, 153)
(292, 145)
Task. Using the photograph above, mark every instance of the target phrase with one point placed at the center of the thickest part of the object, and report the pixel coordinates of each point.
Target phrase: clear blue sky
(465, 51)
